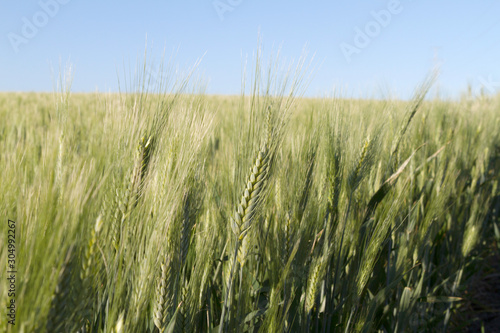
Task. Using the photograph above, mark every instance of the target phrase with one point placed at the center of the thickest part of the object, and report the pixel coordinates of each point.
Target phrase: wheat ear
(358, 173)
(184, 323)
(127, 200)
(252, 195)
(164, 299)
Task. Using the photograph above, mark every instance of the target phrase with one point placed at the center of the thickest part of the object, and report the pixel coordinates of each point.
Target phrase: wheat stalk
(188, 216)
(127, 199)
(119, 326)
(88, 267)
(61, 299)
(244, 216)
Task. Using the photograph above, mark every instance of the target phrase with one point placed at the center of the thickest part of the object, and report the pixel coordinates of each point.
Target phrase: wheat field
(164, 209)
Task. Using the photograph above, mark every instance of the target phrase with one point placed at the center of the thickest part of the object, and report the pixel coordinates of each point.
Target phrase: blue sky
(362, 48)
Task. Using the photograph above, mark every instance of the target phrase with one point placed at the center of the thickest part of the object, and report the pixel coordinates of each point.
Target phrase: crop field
(164, 209)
